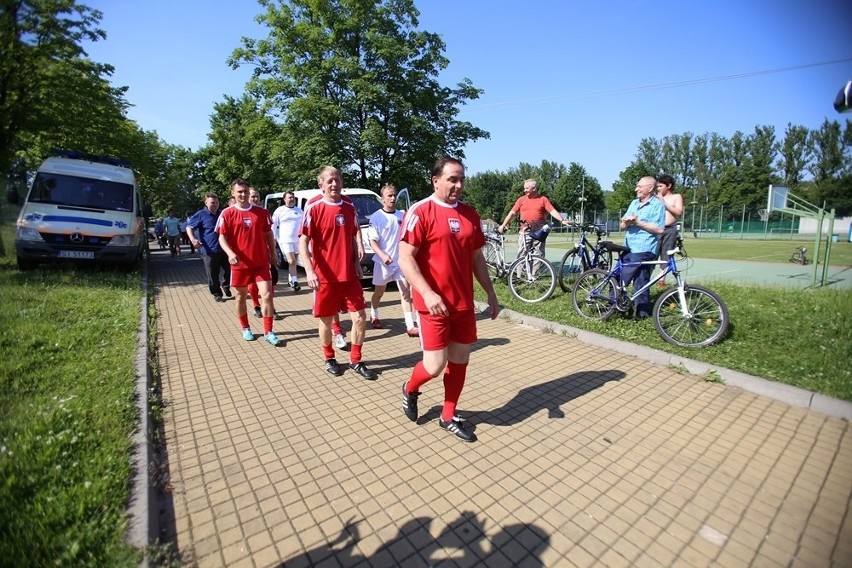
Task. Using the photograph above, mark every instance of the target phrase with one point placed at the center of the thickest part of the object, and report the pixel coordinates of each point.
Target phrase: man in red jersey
(533, 208)
(337, 334)
(329, 244)
(440, 248)
(245, 234)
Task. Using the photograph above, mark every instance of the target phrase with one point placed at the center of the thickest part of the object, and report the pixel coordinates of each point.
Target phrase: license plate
(76, 254)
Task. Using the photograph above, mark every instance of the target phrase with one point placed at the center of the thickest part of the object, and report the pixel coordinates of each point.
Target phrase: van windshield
(75, 191)
(365, 205)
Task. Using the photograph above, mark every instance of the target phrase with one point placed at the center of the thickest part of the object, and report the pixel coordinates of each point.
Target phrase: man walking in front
(440, 252)
(201, 230)
(327, 243)
(644, 223)
(245, 234)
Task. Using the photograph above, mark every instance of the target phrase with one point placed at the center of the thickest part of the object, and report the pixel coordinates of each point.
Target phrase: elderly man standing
(644, 223)
(533, 209)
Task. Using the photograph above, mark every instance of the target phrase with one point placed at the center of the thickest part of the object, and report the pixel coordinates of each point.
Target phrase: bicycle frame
(684, 315)
(530, 276)
(670, 265)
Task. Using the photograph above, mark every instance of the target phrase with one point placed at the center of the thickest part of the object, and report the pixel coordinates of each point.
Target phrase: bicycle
(584, 256)
(530, 277)
(800, 256)
(686, 315)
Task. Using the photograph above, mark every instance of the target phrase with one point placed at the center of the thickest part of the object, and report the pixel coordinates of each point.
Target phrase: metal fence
(706, 222)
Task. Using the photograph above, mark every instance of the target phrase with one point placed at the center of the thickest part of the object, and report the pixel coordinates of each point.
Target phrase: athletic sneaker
(272, 339)
(248, 335)
(339, 341)
(333, 368)
(458, 428)
(218, 298)
(296, 287)
(258, 312)
(377, 324)
(409, 403)
(413, 332)
(361, 369)
(228, 293)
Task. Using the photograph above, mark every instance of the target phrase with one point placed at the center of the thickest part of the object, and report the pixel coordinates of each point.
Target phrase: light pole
(694, 203)
(582, 198)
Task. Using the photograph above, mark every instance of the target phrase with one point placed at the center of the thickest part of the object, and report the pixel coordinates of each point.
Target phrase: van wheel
(24, 264)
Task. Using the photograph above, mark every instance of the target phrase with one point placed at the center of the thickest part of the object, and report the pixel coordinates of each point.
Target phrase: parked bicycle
(584, 256)
(531, 278)
(800, 256)
(686, 315)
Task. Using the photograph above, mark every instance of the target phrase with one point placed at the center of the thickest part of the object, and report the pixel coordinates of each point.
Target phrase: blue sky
(565, 81)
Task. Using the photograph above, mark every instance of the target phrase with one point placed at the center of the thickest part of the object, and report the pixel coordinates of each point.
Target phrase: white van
(81, 207)
(366, 203)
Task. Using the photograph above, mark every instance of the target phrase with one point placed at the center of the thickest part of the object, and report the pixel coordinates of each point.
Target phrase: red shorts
(242, 277)
(331, 297)
(437, 332)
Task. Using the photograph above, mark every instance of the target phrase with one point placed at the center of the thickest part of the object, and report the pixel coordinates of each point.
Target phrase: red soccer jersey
(246, 231)
(533, 209)
(331, 228)
(446, 237)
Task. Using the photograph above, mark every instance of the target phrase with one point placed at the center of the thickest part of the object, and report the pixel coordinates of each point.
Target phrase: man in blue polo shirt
(644, 222)
(201, 230)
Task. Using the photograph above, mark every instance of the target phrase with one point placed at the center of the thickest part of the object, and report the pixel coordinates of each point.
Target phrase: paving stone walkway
(586, 456)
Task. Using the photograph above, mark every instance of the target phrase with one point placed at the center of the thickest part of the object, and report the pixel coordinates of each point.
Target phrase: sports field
(762, 262)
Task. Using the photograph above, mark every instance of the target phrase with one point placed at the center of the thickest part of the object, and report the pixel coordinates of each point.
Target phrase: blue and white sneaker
(272, 339)
(248, 335)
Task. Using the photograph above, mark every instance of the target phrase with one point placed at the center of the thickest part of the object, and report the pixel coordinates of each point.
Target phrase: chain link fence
(717, 223)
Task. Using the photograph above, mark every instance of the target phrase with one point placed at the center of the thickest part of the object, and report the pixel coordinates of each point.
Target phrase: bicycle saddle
(612, 247)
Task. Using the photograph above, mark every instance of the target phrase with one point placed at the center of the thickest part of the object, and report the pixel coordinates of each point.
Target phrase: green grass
(735, 249)
(67, 379)
(797, 337)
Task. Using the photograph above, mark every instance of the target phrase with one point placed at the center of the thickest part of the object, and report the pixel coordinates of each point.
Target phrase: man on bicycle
(644, 222)
(533, 208)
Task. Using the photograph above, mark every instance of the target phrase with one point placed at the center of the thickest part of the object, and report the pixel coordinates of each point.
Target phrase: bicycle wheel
(705, 322)
(493, 260)
(532, 279)
(594, 295)
(570, 269)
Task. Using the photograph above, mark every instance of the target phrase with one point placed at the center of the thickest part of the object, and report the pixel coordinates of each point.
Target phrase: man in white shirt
(384, 238)
(285, 226)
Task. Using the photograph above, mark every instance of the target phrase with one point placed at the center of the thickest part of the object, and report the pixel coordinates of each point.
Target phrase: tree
(49, 92)
(832, 167)
(353, 83)
(247, 143)
(489, 193)
(624, 188)
(795, 153)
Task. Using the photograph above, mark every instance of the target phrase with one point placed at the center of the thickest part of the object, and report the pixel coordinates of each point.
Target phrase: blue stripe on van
(69, 219)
